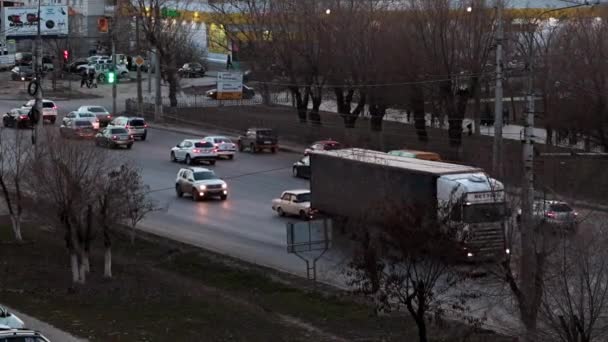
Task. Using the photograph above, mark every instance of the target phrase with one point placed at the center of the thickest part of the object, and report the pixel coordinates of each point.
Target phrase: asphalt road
(244, 226)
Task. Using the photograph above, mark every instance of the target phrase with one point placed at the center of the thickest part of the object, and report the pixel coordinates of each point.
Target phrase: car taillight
(55, 107)
(114, 137)
(127, 127)
(131, 137)
(23, 117)
(215, 149)
(145, 125)
(196, 150)
(109, 116)
(550, 214)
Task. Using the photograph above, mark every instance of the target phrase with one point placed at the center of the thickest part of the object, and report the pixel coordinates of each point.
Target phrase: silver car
(200, 183)
(136, 126)
(555, 213)
(223, 145)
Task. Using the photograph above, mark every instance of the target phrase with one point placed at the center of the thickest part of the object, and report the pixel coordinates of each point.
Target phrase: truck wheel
(178, 191)
(303, 215)
(188, 160)
(280, 211)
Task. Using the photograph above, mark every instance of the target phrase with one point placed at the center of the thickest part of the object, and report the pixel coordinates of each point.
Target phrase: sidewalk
(49, 331)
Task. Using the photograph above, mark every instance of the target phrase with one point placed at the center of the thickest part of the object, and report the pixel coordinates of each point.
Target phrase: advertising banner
(229, 85)
(22, 22)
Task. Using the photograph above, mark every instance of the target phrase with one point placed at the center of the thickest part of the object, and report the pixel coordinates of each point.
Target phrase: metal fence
(197, 101)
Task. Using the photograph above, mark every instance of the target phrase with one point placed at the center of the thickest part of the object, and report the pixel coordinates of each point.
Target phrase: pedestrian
(83, 79)
(470, 129)
(94, 79)
(91, 77)
(228, 63)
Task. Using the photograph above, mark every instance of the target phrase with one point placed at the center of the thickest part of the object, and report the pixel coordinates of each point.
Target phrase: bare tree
(15, 155)
(408, 262)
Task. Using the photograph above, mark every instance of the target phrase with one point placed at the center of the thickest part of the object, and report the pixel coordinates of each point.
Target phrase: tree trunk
(377, 113)
(16, 225)
(107, 263)
(86, 265)
(417, 104)
(313, 115)
(75, 267)
(266, 94)
(301, 102)
(82, 271)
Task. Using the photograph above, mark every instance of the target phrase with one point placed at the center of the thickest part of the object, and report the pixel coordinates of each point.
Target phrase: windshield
(87, 115)
(48, 105)
(561, 207)
(97, 110)
(303, 197)
(137, 122)
(267, 133)
(487, 212)
(203, 144)
(118, 131)
(204, 175)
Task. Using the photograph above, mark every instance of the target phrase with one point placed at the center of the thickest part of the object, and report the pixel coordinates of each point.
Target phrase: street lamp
(328, 11)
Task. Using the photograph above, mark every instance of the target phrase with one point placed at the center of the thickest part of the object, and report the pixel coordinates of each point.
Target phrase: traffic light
(66, 55)
(111, 77)
(102, 25)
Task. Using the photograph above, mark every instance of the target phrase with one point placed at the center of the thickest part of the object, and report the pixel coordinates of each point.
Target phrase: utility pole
(39, 95)
(137, 47)
(158, 104)
(151, 62)
(497, 154)
(114, 84)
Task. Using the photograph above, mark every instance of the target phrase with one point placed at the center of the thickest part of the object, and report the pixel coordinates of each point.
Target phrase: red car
(323, 145)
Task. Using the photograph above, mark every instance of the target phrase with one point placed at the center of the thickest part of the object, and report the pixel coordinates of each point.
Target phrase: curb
(284, 148)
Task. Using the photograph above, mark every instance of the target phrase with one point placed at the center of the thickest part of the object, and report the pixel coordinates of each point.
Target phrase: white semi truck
(353, 184)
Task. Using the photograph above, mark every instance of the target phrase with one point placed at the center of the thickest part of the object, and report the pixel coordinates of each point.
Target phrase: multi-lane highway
(244, 226)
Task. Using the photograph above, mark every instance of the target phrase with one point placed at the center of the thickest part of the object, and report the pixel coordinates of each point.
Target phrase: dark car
(114, 137)
(248, 93)
(73, 66)
(22, 73)
(323, 145)
(18, 118)
(192, 70)
(77, 129)
(301, 168)
(259, 139)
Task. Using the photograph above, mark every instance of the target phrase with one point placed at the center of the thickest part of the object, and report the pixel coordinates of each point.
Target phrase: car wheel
(223, 197)
(280, 211)
(173, 159)
(143, 137)
(188, 160)
(178, 191)
(212, 162)
(195, 196)
(252, 148)
(129, 146)
(295, 172)
(303, 215)
(231, 156)
(273, 150)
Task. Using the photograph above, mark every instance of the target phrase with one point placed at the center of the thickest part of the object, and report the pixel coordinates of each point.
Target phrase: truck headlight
(203, 187)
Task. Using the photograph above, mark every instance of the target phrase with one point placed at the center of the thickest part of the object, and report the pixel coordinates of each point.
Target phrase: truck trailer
(353, 185)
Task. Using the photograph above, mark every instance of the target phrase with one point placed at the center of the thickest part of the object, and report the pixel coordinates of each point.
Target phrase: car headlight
(224, 186)
(203, 187)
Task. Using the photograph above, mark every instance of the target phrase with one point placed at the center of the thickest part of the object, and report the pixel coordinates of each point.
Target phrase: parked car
(77, 129)
(136, 126)
(224, 146)
(100, 112)
(49, 109)
(258, 139)
(193, 151)
(9, 319)
(301, 168)
(192, 70)
(114, 137)
(22, 73)
(82, 115)
(293, 202)
(17, 117)
(554, 213)
(73, 66)
(21, 335)
(200, 183)
(248, 93)
(323, 145)
(416, 154)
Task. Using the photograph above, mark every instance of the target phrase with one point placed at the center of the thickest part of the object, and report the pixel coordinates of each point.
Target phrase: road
(244, 226)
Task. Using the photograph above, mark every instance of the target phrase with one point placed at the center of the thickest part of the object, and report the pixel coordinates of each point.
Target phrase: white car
(294, 202)
(102, 114)
(8, 319)
(225, 147)
(49, 109)
(200, 183)
(82, 115)
(192, 151)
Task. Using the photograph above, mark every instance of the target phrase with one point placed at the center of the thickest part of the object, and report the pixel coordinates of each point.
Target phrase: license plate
(267, 142)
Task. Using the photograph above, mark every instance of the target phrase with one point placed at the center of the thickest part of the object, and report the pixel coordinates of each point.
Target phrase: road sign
(308, 236)
(229, 85)
(139, 61)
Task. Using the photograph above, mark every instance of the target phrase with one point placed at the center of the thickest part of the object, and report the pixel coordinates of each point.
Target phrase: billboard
(22, 22)
(229, 85)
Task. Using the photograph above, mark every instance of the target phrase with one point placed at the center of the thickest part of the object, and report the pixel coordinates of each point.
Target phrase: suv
(136, 126)
(192, 70)
(21, 335)
(49, 109)
(200, 183)
(194, 150)
(554, 213)
(258, 139)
